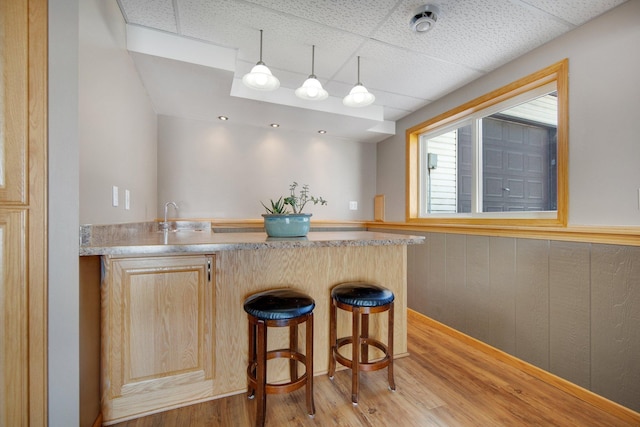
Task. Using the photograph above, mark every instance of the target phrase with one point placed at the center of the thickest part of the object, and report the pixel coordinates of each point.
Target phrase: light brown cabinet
(23, 260)
(157, 333)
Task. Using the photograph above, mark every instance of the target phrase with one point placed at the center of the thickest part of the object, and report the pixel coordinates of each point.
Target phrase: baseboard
(581, 393)
(98, 421)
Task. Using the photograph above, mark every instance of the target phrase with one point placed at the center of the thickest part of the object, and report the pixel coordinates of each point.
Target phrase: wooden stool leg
(309, 365)
(392, 384)
(261, 374)
(332, 339)
(364, 327)
(252, 356)
(293, 344)
(355, 357)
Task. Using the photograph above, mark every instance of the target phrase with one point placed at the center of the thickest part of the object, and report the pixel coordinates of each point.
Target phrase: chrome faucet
(165, 224)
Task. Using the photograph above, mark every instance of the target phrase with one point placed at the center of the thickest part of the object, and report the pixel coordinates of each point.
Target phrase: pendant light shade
(359, 96)
(260, 77)
(312, 89)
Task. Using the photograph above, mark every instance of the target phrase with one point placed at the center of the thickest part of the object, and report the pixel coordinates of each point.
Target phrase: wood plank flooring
(444, 382)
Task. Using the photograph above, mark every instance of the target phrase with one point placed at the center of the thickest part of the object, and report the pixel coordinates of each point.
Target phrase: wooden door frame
(37, 264)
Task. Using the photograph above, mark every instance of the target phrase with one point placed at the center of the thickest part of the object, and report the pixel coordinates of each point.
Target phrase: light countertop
(205, 241)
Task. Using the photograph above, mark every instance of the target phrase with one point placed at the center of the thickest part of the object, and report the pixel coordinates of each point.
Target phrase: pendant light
(260, 77)
(312, 89)
(359, 95)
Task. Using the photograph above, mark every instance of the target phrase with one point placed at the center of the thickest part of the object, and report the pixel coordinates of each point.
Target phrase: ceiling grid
(405, 70)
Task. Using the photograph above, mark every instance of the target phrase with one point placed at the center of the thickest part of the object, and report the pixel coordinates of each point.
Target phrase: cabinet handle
(209, 270)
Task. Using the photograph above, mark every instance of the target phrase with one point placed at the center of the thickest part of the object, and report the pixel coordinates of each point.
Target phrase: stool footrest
(293, 384)
(363, 366)
(287, 387)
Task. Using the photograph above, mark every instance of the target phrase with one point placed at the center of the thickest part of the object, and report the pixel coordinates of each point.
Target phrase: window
(501, 158)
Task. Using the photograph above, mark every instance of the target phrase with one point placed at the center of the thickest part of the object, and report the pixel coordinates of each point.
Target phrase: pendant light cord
(359, 71)
(313, 62)
(261, 47)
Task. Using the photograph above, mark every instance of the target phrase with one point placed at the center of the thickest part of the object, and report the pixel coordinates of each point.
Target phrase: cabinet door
(13, 320)
(13, 101)
(23, 242)
(157, 333)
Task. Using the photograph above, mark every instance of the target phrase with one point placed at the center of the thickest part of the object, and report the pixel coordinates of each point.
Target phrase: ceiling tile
(478, 34)
(287, 40)
(356, 16)
(575, 11)
(403, 72)
(158, 14)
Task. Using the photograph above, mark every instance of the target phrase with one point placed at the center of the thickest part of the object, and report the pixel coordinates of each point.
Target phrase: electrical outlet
(127, 199)
(353, 206)
(114, 196)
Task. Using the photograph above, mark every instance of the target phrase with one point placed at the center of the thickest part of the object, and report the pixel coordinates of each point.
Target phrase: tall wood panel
(615, 323)
(569, 309)
(435, 299)
(478, 287)
(14, 102)
(13, 324)
(23, 262)
(455, 280)
(501, 271)
(532, 301)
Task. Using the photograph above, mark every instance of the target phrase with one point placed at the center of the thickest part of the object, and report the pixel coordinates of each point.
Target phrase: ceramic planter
(287, 225)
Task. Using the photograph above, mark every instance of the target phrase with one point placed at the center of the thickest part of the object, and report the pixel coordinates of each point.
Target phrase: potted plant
(280, 222)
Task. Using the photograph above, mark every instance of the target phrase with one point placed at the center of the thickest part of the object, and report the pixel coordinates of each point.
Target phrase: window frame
(557, 73)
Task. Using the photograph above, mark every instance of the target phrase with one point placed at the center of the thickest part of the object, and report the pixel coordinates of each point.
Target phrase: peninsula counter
(173, 329)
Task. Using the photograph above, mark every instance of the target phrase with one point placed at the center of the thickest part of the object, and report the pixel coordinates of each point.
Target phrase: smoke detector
(424, 19)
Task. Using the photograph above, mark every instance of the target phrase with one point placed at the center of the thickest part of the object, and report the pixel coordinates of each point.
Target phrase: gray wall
(604, 100)
(568, 308)
(63, 311)
(221, 170)
(102, 132)
(117, 123)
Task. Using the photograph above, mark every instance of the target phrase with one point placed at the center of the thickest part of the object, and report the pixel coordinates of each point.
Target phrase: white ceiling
(192, 54)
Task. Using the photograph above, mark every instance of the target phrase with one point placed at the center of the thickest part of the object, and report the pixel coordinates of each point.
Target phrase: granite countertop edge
(154, 243)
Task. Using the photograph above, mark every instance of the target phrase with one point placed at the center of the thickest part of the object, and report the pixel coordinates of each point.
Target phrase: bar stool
(278, 308)
(361, 299)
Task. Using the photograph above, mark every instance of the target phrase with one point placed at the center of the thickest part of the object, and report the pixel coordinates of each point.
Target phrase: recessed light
(322, 131)
(274, 125)
(223, 118)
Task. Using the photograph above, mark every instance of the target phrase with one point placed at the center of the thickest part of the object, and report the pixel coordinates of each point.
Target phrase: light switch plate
(114, 196)
(127, 199)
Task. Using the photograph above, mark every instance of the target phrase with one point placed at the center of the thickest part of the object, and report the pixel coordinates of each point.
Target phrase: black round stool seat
(279, 304)
(360, 294)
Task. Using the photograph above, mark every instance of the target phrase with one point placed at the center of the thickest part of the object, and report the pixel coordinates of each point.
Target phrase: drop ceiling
(192, 54)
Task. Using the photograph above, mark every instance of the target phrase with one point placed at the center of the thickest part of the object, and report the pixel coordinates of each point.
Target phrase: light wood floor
(443, 382)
